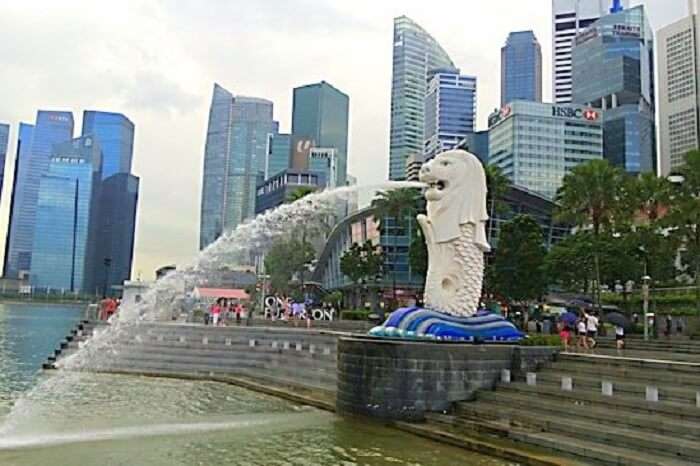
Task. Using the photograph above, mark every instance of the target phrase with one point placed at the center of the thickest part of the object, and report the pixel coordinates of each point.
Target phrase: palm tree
(497, 185)
(685, 216)
(590, 198)
(399, 204)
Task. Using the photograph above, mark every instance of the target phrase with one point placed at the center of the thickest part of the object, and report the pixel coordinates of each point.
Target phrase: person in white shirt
(581, 342)
(619, 337)
(591, 329)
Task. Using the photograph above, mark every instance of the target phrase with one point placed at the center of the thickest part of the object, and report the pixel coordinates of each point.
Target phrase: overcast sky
(156, 62)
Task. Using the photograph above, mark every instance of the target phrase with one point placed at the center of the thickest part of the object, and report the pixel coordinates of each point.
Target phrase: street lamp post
(646, 279)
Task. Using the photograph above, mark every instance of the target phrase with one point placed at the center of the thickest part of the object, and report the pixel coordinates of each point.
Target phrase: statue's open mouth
(438, 185)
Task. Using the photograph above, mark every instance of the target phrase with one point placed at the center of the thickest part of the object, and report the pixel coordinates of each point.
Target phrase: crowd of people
(585, 329)
(225, 310)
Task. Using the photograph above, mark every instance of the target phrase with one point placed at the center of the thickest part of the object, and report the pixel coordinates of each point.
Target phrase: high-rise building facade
(449, 110)
(415, 52)
(234, 161)
(64, 232)
(116, 224)
(478, 144)
(679, 89)
(613, 70)
(320, 113)
(279, 150)
(537, 144)
(4, 140)
(521, 68)
(569, 18)
(34, 150)
(115, 133)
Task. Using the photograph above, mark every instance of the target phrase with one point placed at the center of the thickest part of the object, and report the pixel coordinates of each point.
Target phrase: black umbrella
(618, 319)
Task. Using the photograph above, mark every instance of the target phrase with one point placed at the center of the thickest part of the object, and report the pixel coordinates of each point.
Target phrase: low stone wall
(402, 380)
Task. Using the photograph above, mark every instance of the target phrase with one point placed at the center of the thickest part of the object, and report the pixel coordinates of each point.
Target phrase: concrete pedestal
(402, 380)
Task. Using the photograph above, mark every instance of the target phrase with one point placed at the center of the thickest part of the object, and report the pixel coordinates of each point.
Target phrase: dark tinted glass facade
(34, 152)
(613, 70)
(320, 113)
(115, 133)
(4, 139)
(278, 154)
(116, 223)
(521, 68)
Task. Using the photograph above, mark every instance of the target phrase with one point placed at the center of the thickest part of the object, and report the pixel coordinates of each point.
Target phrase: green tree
(590, 197)
(362, 263)
(418, 253)
(570, 263)
(497, 185)
(284, 260)
(684, 215)
(300, 193)
(399, 204)
(518, 268)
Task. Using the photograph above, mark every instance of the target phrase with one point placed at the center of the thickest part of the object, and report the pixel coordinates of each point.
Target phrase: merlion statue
(455, 233)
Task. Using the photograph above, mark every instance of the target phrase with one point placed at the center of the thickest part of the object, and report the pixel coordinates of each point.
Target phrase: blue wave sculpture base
(424, 324)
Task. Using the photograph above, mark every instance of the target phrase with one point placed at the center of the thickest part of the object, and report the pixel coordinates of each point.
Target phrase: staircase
(591, 427)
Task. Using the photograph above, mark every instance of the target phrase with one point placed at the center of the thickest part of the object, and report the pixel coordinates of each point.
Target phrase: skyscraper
(320, 113)
(116, 223)
(279, 152)
(613, 70)
(115, 133)
(450, 110)
(570, 17)
(537, 144)
(34, 149)
(4, 139)
(64, 232)
(521, 68)
(234, 159)
(415, 53)
(679, 89)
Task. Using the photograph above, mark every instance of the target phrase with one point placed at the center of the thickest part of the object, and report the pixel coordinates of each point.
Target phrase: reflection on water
(83, 419)
(29, 333)
(122, 420)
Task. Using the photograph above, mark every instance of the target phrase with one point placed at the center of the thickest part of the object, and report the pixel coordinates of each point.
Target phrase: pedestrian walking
(668, 331)
(581, 340)
(592, 330)
(216, 310)
(619, 337)
(565, 336)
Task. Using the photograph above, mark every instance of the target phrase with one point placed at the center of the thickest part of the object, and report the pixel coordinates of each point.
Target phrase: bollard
(285, 345)
(274, 345)
(607, 388)
(567, 384)
(251, 343)
(531, 378)
(652, 394)
(160, 337)
(697, 399)
(298, 346)
(505, 376)
(138, 339)
(205, 340)
(228, 342)
(326, 351)
(312, 349)
(182, 340)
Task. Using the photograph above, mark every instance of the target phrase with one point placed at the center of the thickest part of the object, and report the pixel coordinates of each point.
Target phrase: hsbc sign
(588, 114)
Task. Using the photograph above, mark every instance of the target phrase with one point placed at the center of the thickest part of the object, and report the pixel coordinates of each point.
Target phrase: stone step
(589, 452)
(632, 362)
(490, 405)
(589, 429)
(617, 402)
(624, 386)
(667, 377)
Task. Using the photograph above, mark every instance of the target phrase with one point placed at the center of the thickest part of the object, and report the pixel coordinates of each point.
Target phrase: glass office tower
(4, 139)
(116, 223)
(415, 52)
(64, 233)
(613, 70)
(570, 17)
(521, 68)
(450, 110)
(234, 160)
(115, 133)
(320, 114)
(279, 149)
(34, 149)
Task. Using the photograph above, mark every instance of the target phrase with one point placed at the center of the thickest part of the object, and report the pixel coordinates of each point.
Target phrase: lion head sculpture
(456, 194)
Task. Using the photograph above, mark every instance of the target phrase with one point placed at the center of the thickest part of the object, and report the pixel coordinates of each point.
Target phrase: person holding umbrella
(621, 323)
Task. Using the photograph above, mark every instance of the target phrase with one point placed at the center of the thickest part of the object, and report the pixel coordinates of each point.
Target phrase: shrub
(358, 314)
(541, 340)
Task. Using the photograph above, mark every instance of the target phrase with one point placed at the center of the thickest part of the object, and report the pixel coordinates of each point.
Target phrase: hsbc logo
(577, 113)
